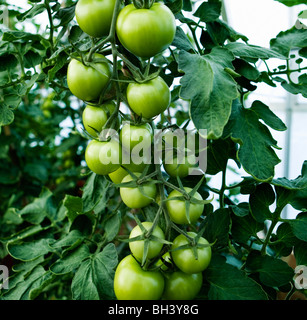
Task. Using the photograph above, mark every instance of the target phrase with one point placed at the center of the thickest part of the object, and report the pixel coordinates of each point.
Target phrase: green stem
(51, 25)
(222, 190)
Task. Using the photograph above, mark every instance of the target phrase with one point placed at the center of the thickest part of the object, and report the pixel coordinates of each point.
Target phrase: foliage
(63, 227)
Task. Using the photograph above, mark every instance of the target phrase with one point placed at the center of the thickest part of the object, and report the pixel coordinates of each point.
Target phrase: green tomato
(138, 197)
(132, 135)
(85, 81)
(185, 260)
(182, 170)
(103, 157)
(94, 118)
(118, 175)
(182, 286)
(131, 282)
(95, 16)
(146, 32)
(177, 208)
(150, 98)
(154, 247)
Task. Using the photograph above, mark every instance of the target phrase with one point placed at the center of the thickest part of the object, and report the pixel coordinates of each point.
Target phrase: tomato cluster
(161, 265)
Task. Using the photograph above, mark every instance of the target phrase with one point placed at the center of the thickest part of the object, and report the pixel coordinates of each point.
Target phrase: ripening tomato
(131, 282)
(182, 286)
(95, 16)
(146, 32)
(154, 247)
(139, 196)
(103, 157)
(177, 208)
(185, 259)
(87, 81)
(149, 99)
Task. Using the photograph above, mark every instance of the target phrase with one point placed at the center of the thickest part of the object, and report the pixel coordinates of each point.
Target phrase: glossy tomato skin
(177, 208)
(182, 286)
(86, 82)
(176, 168)
(150, 98)
(133, 197)
(94, 118)
(131, 282)
(96, 150)
(185, 260)
(118, 175)
(146, 32)
(131, 135)
(95, 16)
(137, 247)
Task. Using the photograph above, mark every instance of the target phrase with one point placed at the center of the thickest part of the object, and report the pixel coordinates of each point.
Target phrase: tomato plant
(146, 31)
(89, 207)
(131, 282)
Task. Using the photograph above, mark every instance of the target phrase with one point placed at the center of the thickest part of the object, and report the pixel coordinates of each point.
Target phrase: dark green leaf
(6, 115)
(260, 201)
(229, 283)
(241, 210)
(291, 3)
(181, 41)
(94, 278)
(34, 11)
(299, 226)
(272, 272)
(300, 253)
(8, 62)
(208, 11)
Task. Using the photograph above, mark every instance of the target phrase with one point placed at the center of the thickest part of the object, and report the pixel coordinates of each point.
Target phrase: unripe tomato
(94, 118)
(95, 16)
(182, 286)
(131, 282)
(150, 98)
(177, 208)
(85, 81)
(118, 175)
(176, 169)
(185, 259)
(103, 157)
(131, 135)
(146, 32)
(137, 247)
(140, 196)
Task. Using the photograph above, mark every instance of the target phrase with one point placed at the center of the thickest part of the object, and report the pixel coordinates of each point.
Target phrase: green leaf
(112, 226)
(35, 10)
(65, 15)
(94, 278)
(300, 253)
(246, 69)
(181, 41)
(255, 153)
(209, 11)
(299, 226)
(290, 39)
(291, 3)
(229, 283)
(7, 62)
(243, 228)
(94, 191)
(296, 88)
(31, 250)
(6, 115)
(251, 51)
(241, 209)
(73, 203)
(264, 113)
(272, 272)
(71, 260)
(260, 201)
(32, 59)
(217, 226)
(36, 211)
(12, 36)
(210, 89)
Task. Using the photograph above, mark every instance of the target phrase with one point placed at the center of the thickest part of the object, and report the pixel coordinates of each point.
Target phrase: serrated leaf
(287, 40)
(229, 283)
(251, 51)
(209, 88)
(94, 278)
(255, 153)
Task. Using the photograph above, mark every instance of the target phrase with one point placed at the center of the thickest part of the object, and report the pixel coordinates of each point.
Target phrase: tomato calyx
(143, 4)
